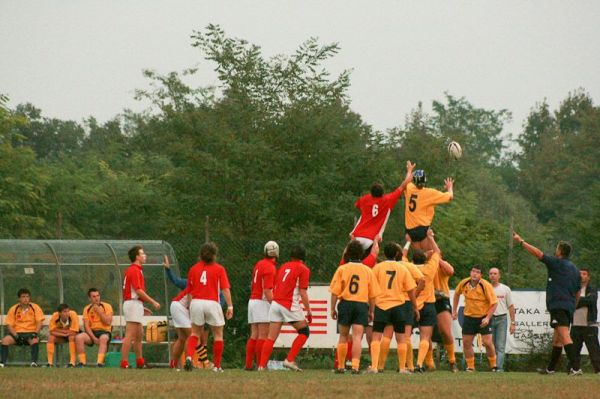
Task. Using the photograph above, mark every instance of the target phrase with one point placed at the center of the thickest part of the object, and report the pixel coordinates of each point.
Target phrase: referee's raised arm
(530, 248)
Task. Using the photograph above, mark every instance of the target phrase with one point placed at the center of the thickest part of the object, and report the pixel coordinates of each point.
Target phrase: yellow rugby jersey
(94, 319)
(354, 282)
(394, 280)
(478, 299)
(413, 270)
(429, 270)
(24, 321)
(440, 282)
(72, 322)
(420, 205)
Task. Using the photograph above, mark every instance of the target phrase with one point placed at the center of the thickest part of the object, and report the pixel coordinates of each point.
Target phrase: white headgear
(272, 249)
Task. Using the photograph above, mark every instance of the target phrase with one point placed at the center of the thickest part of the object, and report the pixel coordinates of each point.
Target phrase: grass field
(19, 382)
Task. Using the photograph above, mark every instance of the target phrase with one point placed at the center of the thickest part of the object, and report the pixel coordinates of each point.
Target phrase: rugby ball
(454, 150)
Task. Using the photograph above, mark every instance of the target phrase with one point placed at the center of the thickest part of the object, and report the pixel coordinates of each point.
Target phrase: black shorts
(417, 234)
(560, 317)
(352, 312)
(443, 305)
(23, 338)
(471, 326)
(396, 316)
(98, 334)
(427, 316)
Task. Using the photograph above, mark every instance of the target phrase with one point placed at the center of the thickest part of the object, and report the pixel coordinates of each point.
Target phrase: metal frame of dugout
(61, 271)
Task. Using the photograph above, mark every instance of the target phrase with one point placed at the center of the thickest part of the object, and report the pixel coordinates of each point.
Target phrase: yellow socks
(409, 356)
(101, 358)
(402, 356)
(82, 358)
(50, 351)
(470, 362)
(423, 348)
(72, 352)
(450, 353)
(355, 363)
(383, 352)
(429, 358)
(492, 361)
(375, 347)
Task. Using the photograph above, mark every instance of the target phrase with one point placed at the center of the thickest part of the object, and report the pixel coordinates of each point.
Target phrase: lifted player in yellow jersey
(391, 308)
(420, 202)
(356, 287)
(480, 304)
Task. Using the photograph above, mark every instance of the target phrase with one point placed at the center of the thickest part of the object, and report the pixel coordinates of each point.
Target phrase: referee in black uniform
(562, 293)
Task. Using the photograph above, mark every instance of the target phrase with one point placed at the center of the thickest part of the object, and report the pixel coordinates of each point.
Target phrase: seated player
(420, 203)
(356, 288)
(24, 322)
(391, 309)
(290, 287)
(63, 327)
(375, 209)
(97, 328)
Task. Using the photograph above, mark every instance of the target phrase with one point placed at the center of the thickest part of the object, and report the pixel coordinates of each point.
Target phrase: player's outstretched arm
(449, 184)
(410, 167)
(446, 267)
(530, 248)
(432, 243)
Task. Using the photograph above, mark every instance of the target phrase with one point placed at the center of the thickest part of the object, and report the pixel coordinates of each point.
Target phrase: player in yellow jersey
(480, 304)
(356, 287)
(426, 298)
(391, 308)
(444, 310)
(63, 327)
(97, 326)
(24, 322)
(388, 332)
(420, 202)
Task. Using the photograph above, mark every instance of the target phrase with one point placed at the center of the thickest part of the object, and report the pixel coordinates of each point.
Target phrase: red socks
(267, 349)
(296, 347)
(191, 345)
(250, 352)
(258, 350)
(218, 352)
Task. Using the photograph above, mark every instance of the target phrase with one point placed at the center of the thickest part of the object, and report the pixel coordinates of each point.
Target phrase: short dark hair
(298, 252)
(134, 252)
(585, 269)
(62, 307)
(391, 250)
(23, 291)
(92, 290)
(377, 190)
(208, 252)
(354, 251)
(477, 267)
(565, 249)
(419, 257)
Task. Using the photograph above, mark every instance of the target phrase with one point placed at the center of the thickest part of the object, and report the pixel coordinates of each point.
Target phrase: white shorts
(258, 311)
(364, 242)
(133, 310)
(281, 314)
(204, 311)
(180, 315)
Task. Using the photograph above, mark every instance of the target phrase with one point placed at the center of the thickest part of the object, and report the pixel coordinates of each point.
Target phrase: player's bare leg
(469, 352)
(384, 347)
(137, 346)
(131, 331)
(357, 335)
(342, 347)
(444, 321)
(303, 334)
(490, 351)
(102, 349)
(81, 340)
(425, 337)
(179, 345)
(274, 329)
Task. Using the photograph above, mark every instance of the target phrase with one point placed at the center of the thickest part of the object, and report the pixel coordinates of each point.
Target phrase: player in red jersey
(261, 295)
(134, 296)
(291, 284)
(375, 209)
(205, 279)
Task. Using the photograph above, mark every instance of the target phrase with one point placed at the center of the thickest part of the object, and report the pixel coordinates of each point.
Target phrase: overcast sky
(82, 58)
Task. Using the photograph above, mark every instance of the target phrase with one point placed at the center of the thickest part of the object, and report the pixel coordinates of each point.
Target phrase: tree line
(275, 151)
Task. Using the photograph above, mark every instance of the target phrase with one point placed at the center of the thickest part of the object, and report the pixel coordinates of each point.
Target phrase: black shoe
(100, 365)
(188, 364)
(494, 369)
(34, 364)
(79, 365)
(355, 372)
(453, 368)
(419, 369)
(339, 371)
(70, 366)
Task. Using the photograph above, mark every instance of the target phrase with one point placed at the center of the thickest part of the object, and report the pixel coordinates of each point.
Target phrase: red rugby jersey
(262, 277)
(291, 278)
(205, 280)
(374, 214)
(370, 261)
(133, 280)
